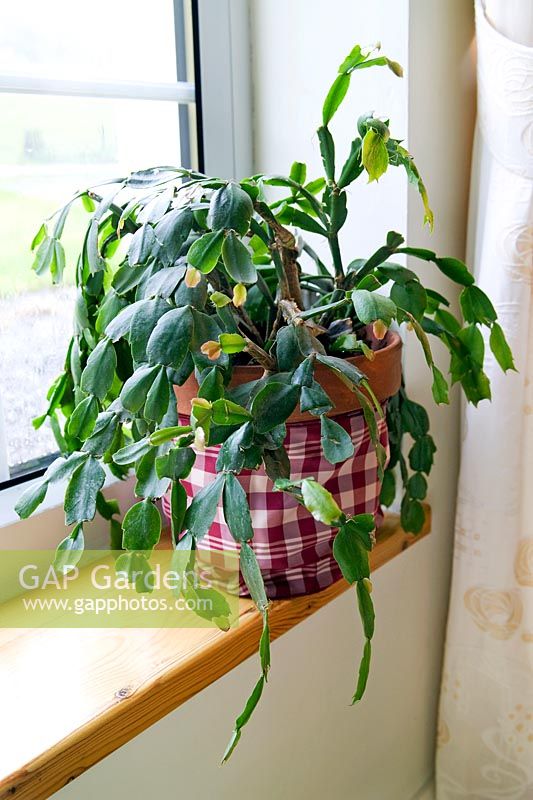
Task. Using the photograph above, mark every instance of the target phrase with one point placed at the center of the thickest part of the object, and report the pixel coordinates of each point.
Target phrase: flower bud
(200, 401)
(368, 352)
(368, 585)
(211, 349)
(380, 329)
(396, 68)
(193, 277)
(239, 295)
(199, 439)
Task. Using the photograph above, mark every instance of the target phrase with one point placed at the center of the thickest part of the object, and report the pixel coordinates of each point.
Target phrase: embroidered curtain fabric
(485, 737)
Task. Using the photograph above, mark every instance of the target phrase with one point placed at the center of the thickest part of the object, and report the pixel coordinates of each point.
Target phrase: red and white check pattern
(294, 551)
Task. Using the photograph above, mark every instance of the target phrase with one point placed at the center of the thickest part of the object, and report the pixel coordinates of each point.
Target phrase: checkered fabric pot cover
(294, 551)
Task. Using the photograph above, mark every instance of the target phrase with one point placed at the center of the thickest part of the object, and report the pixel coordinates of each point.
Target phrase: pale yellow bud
(368, 585)
(368, 352)
(396, 68)
(200, 401)
(193, 277)
(239, 295)
(211, 349)
(380, 329)
(199, 439)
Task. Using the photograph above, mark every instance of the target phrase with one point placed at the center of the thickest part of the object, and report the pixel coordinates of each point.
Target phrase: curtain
(485, 735)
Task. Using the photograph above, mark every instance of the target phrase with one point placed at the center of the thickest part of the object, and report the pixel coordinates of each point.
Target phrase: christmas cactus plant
(180, 273)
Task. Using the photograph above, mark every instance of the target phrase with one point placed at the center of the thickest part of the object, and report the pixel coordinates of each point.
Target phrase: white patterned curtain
(485, 737)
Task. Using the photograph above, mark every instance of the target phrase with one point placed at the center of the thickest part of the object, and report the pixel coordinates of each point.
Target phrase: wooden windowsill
(71, 697)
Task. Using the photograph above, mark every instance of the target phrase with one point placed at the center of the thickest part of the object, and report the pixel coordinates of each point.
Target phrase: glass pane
(49, 148)
(100, 40)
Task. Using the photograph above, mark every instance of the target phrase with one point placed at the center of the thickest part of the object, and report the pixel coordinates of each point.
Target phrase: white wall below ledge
(305, 741)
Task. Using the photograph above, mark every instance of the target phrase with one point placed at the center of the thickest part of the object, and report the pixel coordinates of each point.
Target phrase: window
(83, 97)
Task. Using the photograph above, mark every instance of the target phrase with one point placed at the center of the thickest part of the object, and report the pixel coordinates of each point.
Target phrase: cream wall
(305, 741)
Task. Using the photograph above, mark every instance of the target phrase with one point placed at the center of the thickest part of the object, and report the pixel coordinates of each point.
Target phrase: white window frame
(223, 38)
(222, 93)
(181, 91)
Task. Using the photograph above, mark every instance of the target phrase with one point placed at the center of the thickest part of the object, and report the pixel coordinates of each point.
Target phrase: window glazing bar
(181, 74)
(180, 92)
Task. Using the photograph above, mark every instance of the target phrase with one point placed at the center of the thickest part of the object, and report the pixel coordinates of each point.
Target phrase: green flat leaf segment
(83, 418)
(30, 499)
(350, 554)
(98, 374)
(243, 718)
(169, 341)
(205, 251)
(69, 551)
(375, 156)
(82, 490)
(238, 259)
(273, 405)
(371, 306)
(230, 209)
(320, 503)
(500, 348)
(337, 444)
(236, 510)
(335, 97)
(252, 576)
(203, 508)
(141, 526)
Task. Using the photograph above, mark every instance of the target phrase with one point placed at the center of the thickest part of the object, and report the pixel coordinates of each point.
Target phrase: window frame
(224, 89)
(221, 93)
(182, 92)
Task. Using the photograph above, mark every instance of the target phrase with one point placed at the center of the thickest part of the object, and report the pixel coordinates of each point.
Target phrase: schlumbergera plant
(180, 272)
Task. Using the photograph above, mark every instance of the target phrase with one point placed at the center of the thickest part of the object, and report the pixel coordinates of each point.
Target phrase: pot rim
(383, 373)
(393, 341)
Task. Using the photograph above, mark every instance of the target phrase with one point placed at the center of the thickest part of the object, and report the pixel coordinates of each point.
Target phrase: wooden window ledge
(71, 697)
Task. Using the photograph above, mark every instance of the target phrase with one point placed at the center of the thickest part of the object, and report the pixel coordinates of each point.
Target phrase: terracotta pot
(384, 375)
